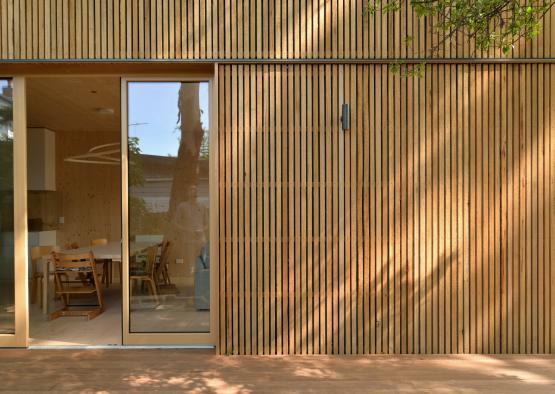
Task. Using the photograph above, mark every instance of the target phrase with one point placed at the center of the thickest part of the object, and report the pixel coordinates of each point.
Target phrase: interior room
(75, 209)
(72, 203)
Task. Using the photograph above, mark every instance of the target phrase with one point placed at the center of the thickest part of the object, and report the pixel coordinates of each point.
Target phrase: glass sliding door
(13, 268)
(168, 199)
(7, 274)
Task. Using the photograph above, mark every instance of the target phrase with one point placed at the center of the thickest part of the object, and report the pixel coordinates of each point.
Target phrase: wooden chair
(106, 264)
(163, 264)
(147, 275)
(83, 265)
(37, 278)
(75, 245)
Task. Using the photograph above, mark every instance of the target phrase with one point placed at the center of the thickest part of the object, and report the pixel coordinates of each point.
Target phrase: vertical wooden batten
(216, 29)
(428, 270)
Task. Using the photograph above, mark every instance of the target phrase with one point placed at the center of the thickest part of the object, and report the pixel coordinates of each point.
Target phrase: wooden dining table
(110, 251)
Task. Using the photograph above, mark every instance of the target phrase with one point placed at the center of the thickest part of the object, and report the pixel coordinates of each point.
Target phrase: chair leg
(98, 288)
(104, 274)
(154, 280)
(33, 296)
(56, 295)
(44, 293)
(38, 291)
(152, 288)
(58, 286)
(167, 273)
(109, 274)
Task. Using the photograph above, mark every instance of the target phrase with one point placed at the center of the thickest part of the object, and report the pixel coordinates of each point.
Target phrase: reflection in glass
(7, 289)
(169, 267)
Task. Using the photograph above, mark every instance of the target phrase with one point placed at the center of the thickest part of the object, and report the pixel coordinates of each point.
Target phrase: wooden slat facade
(225, 29)
(427, 227)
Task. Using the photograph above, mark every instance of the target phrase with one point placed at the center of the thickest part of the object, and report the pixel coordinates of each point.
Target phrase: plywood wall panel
(96, 186)
(424, 228)
(216, 29)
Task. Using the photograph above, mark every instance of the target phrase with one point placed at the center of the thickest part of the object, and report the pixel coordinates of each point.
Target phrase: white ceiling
(71, 103)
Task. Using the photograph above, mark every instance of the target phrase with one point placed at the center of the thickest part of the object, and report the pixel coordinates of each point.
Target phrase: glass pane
(169, 267)
(7, 288)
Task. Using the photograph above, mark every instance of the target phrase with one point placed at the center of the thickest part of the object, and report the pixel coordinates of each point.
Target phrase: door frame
(172, 339)
(138, 72)
(21, 336)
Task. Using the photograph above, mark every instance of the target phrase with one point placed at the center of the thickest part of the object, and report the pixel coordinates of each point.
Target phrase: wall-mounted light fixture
(104, 111)
(345, 116)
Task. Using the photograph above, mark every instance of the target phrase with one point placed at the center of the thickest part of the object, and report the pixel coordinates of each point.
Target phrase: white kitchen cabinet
(41, 159)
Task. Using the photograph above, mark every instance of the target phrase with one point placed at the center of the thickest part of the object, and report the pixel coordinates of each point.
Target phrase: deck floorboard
(174, 370)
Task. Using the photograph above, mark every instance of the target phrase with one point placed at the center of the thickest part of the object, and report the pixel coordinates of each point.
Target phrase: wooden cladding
(427, 227)
(225, 29)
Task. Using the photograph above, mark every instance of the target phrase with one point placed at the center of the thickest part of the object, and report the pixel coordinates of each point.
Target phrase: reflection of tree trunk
(185, 175)
(186, 165)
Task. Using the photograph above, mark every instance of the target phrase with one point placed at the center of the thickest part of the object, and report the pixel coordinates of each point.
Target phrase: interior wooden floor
(104, 330)
(173, 370)
(173, 314)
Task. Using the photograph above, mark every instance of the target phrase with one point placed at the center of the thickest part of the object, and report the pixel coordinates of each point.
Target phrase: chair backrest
(68, 261)
(151, 253)
(38, 251)
(71, 245)
(99, 241)
(164, 249)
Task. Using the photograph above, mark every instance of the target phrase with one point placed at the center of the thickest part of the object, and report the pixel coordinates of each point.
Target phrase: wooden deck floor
(176, 370)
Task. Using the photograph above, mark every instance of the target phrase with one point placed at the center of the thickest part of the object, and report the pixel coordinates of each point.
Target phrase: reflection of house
(158, 174)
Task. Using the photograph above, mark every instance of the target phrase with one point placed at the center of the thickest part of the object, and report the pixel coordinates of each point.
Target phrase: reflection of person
(191, 217)
(190, 225)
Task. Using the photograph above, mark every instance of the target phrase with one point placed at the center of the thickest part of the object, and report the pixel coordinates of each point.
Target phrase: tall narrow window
(7, 288)
(169, 267)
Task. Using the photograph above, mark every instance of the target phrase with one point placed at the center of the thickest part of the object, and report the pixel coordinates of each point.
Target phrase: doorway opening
(74, 204)
(118, 211)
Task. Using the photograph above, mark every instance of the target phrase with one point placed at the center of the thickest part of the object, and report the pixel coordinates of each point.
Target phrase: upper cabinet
(41, 159)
